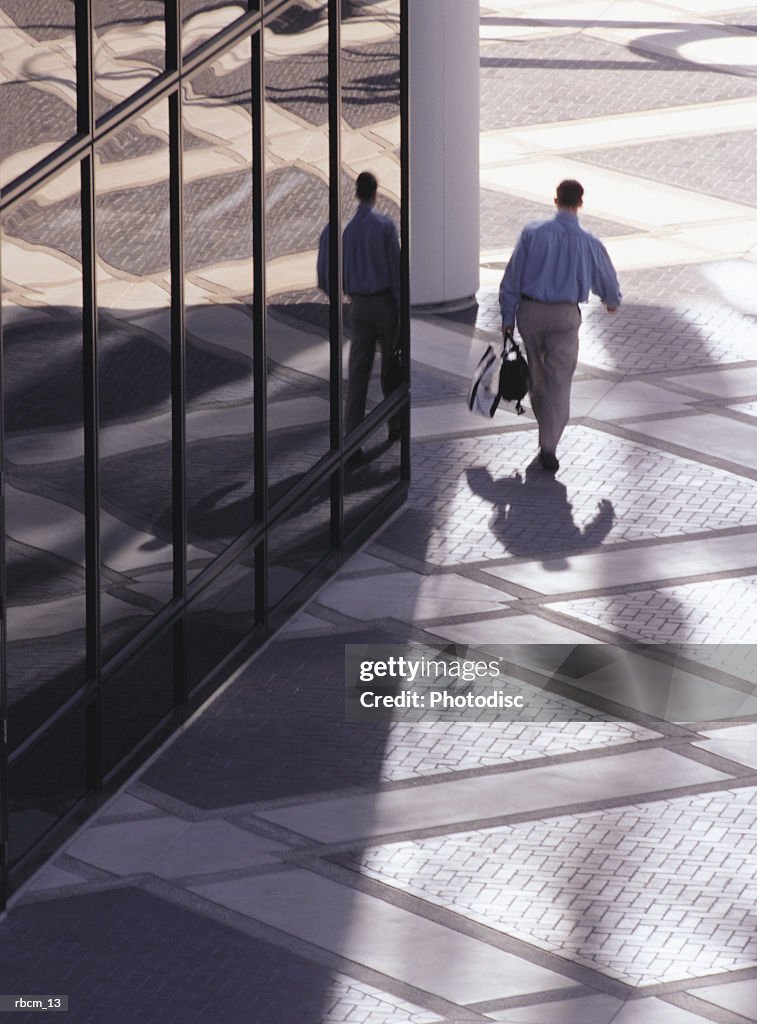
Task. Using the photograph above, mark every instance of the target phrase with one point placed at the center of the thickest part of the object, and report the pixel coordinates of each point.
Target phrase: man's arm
(605, 280)
(511, 286)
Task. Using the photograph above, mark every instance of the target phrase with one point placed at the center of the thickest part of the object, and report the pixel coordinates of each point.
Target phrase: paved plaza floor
(276, 864)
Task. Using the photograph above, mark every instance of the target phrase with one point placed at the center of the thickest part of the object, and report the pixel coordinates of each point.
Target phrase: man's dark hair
(366, 186)
(569, 193)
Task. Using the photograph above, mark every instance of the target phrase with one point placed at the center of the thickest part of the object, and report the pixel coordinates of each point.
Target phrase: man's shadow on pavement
(534, 517)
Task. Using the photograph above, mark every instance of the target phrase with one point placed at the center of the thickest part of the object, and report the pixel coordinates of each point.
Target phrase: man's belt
(556, 302)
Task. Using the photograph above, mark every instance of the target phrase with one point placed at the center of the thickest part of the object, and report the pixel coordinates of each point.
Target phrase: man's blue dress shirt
(557, 261)
(370, 255)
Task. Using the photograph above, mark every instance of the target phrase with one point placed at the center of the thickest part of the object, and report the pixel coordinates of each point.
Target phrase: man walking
(371, 278)
(554, 266)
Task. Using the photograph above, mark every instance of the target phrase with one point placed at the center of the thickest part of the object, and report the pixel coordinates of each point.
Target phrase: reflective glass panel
(372, 481)
(298, 542)
(134, 294)
(37, 81)
(297, 210)
(201, 19)
(370, 71)
(45, 784)
(220, 618)
(44, 452)
(129, 48)
(218, 312)
(136, 699)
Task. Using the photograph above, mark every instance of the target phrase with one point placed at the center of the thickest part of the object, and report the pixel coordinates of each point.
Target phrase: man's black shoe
(548, 461)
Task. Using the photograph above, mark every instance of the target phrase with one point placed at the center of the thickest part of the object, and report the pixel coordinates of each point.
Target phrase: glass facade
(176, 476)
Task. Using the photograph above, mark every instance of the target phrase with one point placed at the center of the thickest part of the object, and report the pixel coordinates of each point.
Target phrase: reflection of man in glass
(371, 277)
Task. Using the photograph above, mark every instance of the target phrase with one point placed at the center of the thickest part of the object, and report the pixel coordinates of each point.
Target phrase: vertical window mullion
(173, 35)
(85, 74)
(3, 640)
(335, 263)
(90, 390)
(178, 383)
(91, 417)
(178, 348)
(405, 229)
(259, 352)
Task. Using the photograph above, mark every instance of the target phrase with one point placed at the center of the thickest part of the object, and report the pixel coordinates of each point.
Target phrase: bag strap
(510, 344)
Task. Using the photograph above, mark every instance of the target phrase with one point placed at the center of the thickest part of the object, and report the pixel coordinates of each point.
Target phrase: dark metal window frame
(80, 151)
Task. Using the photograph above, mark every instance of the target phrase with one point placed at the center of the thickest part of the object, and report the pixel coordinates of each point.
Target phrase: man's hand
(507, 332)
(611, 309)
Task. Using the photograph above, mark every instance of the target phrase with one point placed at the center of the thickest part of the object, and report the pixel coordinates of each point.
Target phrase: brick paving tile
(715, 612)
(131, 141)
(672, 318)
(130, 12)
(297, 209)
(717, 165)
(503, 217)
(490, 506)
(134, 374)
(370, 83)
(285, 735)
(645, 894)
(132, 221)
(39, 117)
(518, 81)
(126, 955)
(41, 19)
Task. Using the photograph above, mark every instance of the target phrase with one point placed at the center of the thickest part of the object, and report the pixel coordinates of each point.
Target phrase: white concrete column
(444, 140)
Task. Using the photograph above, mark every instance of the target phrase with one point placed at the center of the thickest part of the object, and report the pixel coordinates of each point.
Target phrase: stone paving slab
(742, 751)
(603, 400)
(448, 803)
(411, 597)
(635, 565)
(647, 202)
(602, 1009)
(729, 440)
(727, 383)
(54, 877)
(169, 847)
(513, 629)
(738, 996)
(382, 937)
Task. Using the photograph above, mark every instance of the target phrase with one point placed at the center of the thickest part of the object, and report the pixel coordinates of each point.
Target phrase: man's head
(366, 187)
(569, 195)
